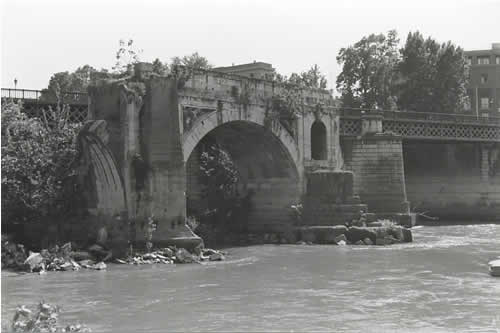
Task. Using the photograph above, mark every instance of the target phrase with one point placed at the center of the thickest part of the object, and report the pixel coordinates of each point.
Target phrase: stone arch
(100, 168)
(209, 122)
(319, 150)
(266, 158)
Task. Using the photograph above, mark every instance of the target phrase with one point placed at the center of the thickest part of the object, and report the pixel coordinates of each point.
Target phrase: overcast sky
(40, 38)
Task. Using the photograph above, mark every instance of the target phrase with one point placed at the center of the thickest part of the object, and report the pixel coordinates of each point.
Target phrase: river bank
(438, 283)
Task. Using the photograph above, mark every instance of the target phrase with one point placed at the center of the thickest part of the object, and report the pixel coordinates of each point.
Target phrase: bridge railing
(32, 96)
(36, 106)
(423, 116)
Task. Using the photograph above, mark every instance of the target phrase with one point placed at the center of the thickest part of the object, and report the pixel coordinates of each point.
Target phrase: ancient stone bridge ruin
(141, 153)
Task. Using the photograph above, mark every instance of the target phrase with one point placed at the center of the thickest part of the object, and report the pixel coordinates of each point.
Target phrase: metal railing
(421, 116)
(30, 95)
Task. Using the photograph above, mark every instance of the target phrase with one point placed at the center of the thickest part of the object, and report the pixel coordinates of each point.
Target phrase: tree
(183, 68)
(433, 76)
(369, 73)
(312, 78)
(159, 68)
(37, 171)
(193, 61)
(62, 83)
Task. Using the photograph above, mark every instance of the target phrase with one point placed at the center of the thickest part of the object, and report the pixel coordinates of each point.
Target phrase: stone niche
(329, 198)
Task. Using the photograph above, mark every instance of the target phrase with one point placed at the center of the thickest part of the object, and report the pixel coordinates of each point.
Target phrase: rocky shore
(63, 258)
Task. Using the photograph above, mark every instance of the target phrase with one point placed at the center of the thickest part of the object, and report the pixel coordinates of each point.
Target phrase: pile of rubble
(62, 258)
(173, 255)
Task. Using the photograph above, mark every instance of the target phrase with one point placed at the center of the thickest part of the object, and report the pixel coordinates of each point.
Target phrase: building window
(469, 61)
(485, 103)
(497, 60)
(483, 60)
(484, 78)
(318, 141)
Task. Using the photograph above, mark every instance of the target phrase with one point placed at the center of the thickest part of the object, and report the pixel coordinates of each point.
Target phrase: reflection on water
(439, 283)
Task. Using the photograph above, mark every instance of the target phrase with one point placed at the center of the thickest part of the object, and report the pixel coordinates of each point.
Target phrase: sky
(42, 37)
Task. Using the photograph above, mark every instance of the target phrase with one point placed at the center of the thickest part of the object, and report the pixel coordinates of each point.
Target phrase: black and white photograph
(250, 166)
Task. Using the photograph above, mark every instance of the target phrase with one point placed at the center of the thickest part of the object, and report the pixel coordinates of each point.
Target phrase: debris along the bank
(43, 318)
(171, 255)
(57, 258)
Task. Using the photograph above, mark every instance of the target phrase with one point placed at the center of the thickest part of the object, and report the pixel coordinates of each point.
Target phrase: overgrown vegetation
(37, 157)
(218, 173)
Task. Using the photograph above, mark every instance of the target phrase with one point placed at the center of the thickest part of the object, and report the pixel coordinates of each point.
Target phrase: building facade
(484, 81)
(255, 70)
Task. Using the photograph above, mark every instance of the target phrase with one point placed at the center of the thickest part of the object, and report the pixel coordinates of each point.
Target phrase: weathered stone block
(330, 186)
(322, 234)
(355, 234)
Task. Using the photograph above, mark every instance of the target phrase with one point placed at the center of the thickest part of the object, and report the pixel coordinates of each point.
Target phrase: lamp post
(15, 83)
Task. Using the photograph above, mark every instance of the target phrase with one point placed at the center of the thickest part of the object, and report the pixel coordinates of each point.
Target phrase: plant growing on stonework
(38, 180)
(126, 56)
(148, 233)
(218, 171)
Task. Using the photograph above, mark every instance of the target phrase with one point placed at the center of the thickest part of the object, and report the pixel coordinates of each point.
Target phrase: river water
(438, 283)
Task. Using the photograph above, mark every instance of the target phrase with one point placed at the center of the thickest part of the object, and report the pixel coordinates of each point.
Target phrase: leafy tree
(312, 78)
(37, 171)
(62, 83)
(218, 171)
(194, 61)
(159, 67)
(433, 76)
(369, 72)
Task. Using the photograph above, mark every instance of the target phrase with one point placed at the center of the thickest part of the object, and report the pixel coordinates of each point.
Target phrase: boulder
(67, 266)
(397, 232)
(183, 256)
(216, 257)
(34, 260)
(407, 235)
(355, 234)
(341, 243)
(87, 263)
(494, 267)
(340, 238)
(360, 242)
(167, 252)
(367, 241)
(99, 266)
(149, 256)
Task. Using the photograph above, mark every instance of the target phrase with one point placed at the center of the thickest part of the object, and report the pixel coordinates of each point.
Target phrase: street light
(15, 83)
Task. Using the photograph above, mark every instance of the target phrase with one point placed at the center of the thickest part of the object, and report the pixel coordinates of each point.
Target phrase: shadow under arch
(265, 167)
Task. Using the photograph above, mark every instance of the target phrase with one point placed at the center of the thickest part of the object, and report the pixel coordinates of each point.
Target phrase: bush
(37, 158)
